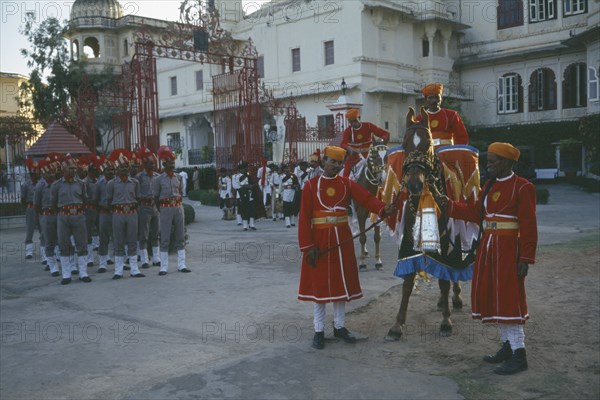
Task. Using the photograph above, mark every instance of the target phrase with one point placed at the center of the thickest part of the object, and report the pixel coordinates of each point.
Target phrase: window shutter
(500, 95)
(533, 90)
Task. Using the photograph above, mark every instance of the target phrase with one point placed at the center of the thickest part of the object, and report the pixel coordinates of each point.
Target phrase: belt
(505, 228)
(147, 201)
(124, 208)
(48, 212)
(329, 221)
(440, 142)
(171, 202)
(72, 209)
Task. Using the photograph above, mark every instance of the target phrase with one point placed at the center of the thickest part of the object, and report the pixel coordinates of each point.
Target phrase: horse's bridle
(372, 171)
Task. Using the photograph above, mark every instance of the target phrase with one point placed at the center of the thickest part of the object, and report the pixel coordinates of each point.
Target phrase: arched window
(575, 86)
(542, 90)
(510, 94)
(91, 47)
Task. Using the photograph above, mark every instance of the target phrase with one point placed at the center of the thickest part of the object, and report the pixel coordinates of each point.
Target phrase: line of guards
(279, 188)
(80, 203)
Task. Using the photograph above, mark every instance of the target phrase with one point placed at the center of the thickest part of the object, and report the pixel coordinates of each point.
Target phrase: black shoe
(245, 229)
(162, 273)
(184, 270)
(288, 226)
(293, 224)
(55, 273)
(90, 264)
(86, 279)
(110, 262)
(115, 277)
(504, 354)
(156, 264)
(101, 270)
(45, 262)
(126, 267)
(28, 257)
(145, 266)
(319, 340)
(253, 228)
(517, 363)
(65, 281)
(75, 272)
(138, 275)
(344, 334)
(47, 268)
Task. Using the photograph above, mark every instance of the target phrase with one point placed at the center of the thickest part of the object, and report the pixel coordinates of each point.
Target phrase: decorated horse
(430, 243)
(371, 178)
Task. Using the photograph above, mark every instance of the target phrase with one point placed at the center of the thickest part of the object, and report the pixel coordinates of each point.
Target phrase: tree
(50, 57)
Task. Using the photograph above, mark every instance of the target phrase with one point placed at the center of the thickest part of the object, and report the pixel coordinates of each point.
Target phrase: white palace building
(502, 62)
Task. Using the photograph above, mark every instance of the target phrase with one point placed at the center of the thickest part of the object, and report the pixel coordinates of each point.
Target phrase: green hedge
(542, 196)
(189, 214)
(539, 136)
(208, 197)
(208, 177)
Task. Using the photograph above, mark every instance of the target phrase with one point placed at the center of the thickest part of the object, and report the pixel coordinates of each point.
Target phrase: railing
(10, 194)
(204, 155)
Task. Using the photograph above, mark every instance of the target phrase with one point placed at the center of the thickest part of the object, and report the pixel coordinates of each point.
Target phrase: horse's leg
(457, 301)
(377, 239)
(395, 332)
(446, 327)
(363, 241)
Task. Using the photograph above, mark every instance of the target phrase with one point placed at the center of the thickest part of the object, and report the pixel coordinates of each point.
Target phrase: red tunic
(445, 125)
(360, 140)
(335, 277)
(497, 293)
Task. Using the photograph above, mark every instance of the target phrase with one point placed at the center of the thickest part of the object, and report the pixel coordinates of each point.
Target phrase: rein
(373, 225)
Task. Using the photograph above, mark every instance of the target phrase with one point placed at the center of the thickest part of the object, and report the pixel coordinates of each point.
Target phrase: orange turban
(336, 153)
(352, 114)
(433, 89)
(505, 150)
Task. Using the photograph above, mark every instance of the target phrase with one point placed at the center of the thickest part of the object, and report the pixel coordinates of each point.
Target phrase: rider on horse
(447, 128)
(358, 138)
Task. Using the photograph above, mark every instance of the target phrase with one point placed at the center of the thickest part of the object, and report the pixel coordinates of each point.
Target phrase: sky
(14, 12)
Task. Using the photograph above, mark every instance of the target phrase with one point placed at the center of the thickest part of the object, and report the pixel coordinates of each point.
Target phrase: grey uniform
(31, 216)
(148, 224)
(91, 213)
(168, 190)
(123, 197)
(42, 203)
(105, 216)
(69, 198)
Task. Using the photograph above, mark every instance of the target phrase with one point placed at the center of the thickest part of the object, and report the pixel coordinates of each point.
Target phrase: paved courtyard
(231, 329)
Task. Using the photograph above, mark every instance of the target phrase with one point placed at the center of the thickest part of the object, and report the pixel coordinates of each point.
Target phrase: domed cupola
(97, 8)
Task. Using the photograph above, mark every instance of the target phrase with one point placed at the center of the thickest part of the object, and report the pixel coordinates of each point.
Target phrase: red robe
(335, 277)
(446, 124)
(360, 139)
(497, 293)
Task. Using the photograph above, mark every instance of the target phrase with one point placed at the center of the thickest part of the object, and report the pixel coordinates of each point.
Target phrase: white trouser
(339, 315)
(514, 333)
(181, 259)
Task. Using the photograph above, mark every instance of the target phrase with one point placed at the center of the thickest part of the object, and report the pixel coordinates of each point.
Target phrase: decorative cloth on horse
(352, 114)
(505, 150)
(426, 234)
(432, 89)
(460, 166)
(336, 153)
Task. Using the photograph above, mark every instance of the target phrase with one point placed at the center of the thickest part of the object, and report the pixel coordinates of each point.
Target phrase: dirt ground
(562, 336)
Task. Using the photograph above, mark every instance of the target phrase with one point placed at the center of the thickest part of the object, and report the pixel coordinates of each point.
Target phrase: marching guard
(123, 193)
(69, 198)
(168, 192)
(47, 214)
(149, 217)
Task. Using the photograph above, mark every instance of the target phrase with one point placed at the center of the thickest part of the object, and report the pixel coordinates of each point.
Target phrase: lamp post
(344, 87)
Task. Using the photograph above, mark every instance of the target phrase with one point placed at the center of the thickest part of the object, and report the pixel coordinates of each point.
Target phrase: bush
(589, 185)
(189, 214)
(542, 196)
(208, 197)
